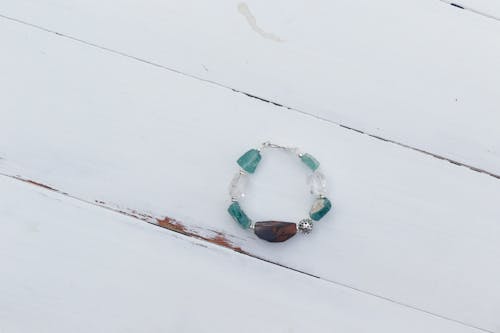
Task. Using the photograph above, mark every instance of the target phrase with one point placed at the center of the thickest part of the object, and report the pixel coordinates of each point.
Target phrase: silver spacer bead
(305, 226)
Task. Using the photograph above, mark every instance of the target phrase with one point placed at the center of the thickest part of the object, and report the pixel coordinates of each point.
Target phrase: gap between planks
(472, 10)
(220, 239)
(285, 107)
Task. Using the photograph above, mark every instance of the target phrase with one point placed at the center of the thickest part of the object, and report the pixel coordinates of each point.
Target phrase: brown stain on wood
(29, 181)
(166, 222)
(174, 225)
(32, 182)
(219, 239)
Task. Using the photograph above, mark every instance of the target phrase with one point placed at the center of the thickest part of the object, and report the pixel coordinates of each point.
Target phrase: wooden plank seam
(472, 10)
(374, 136)
(222, 240)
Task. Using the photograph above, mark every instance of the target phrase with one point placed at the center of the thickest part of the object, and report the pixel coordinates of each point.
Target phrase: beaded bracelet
(276, 231)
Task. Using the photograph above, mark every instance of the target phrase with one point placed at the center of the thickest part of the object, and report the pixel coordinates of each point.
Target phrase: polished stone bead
(249, 160)
(275, 231)
(310, 161)
(319, 208)
(239, 215)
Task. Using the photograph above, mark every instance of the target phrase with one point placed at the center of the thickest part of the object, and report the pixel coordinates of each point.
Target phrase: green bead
(310, 161)
(249, 160)
(239, 215)
(319, 208)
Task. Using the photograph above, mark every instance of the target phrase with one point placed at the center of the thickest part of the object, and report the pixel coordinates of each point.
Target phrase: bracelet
(277, 231)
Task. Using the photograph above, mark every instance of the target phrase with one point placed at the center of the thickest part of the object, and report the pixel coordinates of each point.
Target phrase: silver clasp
(269, 144)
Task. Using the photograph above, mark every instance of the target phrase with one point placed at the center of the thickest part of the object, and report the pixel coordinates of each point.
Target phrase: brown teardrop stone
(275, 231)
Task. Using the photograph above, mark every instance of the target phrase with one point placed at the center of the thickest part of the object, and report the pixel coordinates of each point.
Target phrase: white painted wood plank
(418, 72)
(71, 267)
(140, 139)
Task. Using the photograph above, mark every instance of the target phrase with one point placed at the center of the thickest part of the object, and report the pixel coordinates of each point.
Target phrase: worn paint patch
(32, 182)
(39, 184)
(173, 225)
(165, 222)
(252, 22)
(219, 238)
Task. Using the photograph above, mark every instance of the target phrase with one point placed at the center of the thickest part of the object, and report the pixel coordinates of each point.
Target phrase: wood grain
(107, 129)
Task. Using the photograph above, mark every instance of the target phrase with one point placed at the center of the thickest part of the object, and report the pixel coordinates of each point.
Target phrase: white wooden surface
(411, 232)
(421, 73)
(68, 266)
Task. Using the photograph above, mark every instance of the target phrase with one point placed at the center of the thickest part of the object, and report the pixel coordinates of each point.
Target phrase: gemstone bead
(239, 215)
(237, 186)
(275, 231)
(319, 208)
(310, 161)
(317, 183)
(250, 160)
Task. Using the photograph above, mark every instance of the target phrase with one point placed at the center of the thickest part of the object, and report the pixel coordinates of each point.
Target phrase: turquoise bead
(310, 161)
(319, 208)
(249, 160)
(239, 215)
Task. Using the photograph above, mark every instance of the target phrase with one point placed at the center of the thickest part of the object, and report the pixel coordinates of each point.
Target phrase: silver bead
(305, 226)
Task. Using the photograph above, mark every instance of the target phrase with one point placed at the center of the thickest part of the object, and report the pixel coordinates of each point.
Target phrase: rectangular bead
(239, 215)
(310, 161)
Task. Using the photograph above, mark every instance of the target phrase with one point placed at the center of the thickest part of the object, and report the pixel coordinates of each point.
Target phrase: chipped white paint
(252, 22)
(71, 267)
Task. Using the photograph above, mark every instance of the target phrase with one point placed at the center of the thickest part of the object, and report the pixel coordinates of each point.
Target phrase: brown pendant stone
(275, 231)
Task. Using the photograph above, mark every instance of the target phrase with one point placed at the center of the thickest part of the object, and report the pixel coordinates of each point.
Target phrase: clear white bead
(317, 183)
(237, 186)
